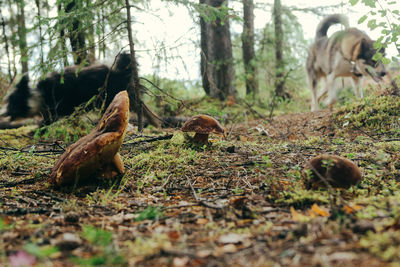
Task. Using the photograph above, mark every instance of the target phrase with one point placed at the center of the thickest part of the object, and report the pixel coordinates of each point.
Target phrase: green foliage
(40, 251)
(384, 16)
(150, 213)
(107, 255)
(210, 14)
(385, 245)
(68, 129)
(380, 115)
(168, 96)
(295, 49)
(97, 236)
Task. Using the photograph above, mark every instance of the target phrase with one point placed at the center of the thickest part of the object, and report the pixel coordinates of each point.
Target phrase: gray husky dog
(347, 53)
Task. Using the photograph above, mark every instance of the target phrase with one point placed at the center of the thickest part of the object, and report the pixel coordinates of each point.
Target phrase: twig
(25, 181)
(158, 138)
(203, 202)
(23, 211)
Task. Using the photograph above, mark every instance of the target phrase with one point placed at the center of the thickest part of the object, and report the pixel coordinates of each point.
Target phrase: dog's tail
(328, 21)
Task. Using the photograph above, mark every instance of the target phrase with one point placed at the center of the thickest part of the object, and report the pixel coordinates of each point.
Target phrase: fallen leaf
(232, 238)
(317, 211)
(180, 262)
(352, 208)
(297, 216)
(201, 221)
(230, 248)
(174, 235)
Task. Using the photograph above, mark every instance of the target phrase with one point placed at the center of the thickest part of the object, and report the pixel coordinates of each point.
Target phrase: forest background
(42, 36)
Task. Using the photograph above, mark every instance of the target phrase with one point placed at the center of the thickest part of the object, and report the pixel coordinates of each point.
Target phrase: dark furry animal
(58, 94)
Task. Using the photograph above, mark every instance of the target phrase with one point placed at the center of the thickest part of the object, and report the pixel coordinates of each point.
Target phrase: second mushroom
(202, 126)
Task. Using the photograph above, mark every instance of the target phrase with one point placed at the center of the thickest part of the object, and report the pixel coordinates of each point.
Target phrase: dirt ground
(238, 202)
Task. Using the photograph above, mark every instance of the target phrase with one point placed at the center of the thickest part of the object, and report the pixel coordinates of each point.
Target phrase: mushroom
(339, 172)
(202, 125)
(96, 154)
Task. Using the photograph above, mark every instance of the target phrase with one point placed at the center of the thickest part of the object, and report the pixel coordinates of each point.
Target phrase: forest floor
(238, 202)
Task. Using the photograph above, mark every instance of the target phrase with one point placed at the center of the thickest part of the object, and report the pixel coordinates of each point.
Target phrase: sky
(168, 37)
(172, 33)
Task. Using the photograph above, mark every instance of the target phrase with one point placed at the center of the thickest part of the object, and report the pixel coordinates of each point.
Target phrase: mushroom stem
(201, 138)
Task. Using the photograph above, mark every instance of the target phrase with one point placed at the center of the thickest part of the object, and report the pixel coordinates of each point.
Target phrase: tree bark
(62, 38)
(37, 2)
(5, 40)
(23, 47)
(216, 55)
(134, 86)
(279, 64)
(13, 42)
(76, 36)
(248, 48)
(91, 38)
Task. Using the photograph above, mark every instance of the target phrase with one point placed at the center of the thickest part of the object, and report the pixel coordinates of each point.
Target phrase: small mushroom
(96, 154)
(202, 125)
(338, 172)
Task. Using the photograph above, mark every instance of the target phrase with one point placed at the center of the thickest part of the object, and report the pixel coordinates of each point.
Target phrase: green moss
(380, 115)
(68, 129)
(385, 245)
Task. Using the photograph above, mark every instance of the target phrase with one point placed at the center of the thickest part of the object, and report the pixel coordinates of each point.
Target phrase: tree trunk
(248, 48)
(5, 40)
(22, 35)
(279, 64)
(216, 56)
(76, 36)
(91, 38)
(133, 89)
(12, 25)
(62, 39)
(37, 2)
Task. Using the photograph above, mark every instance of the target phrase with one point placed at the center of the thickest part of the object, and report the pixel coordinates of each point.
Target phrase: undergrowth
(376, 115)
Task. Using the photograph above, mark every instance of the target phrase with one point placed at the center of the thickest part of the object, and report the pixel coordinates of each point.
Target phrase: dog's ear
(366, 50)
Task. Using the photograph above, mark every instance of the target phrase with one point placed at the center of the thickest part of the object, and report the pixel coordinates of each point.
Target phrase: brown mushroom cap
(97, 152)
(338, 171)
(202, 125)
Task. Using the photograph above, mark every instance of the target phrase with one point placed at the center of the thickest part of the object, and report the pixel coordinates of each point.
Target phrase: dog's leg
(357, 86)
(314, 84)
(324, 91)
(331, 89)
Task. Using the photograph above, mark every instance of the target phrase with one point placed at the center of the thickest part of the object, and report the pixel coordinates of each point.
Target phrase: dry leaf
(352, 208)
(317, 211)
(297, 216)
(229, 248)
(180, 262)
(201, 221)
(174, 235)
(232, 238)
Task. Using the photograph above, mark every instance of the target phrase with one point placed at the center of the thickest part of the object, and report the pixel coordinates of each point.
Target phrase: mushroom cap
(338, 171)
(97, 152)
(203, 124)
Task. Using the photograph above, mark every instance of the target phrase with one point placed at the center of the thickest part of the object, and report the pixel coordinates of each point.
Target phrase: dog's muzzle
(354, 70)
(376, 76)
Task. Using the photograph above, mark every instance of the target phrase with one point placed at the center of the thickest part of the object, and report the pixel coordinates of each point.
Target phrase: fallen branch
(158, 138)
(15, 183)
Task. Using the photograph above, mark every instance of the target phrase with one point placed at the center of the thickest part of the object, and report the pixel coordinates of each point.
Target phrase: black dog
(58, 94)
